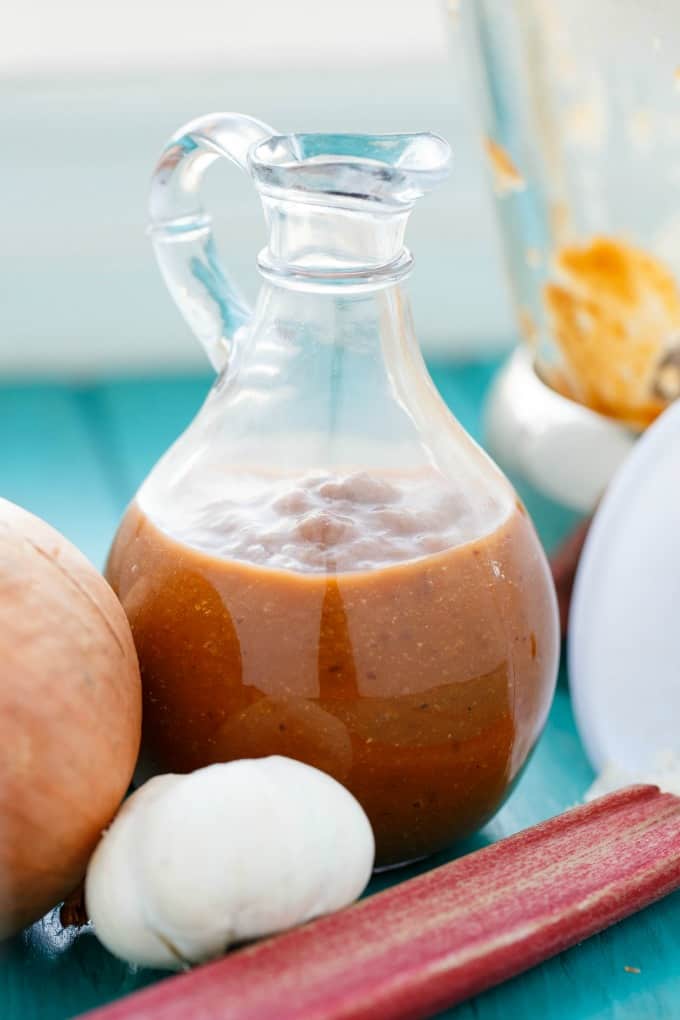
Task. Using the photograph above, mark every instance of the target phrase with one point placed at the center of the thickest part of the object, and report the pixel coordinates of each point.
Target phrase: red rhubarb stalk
(448, 934)
(564, 564)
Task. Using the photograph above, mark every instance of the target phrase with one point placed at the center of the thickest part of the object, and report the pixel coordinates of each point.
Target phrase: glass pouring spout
(336, 206)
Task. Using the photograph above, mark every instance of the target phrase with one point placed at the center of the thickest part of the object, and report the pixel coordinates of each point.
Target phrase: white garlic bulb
(231, 852)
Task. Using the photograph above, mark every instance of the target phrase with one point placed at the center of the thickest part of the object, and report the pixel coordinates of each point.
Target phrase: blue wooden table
(75, 455)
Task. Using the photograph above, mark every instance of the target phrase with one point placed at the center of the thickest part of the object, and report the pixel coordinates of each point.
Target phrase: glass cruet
(325, 565)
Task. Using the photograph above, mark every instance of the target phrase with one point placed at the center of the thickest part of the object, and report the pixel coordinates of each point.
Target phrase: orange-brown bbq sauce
(421, 686)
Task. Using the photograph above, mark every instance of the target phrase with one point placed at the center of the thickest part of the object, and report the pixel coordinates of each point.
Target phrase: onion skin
(70, 714)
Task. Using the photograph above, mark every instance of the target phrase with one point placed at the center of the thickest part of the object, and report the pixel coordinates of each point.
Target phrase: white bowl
(624, 627)
(565, 450)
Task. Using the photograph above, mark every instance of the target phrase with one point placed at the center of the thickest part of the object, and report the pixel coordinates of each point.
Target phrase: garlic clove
(273, 842)
(229, 853)
(112, 893)
(338, 836)
(209, 852)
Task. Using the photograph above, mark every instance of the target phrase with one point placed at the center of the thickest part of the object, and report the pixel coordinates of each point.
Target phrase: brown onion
(70, 714)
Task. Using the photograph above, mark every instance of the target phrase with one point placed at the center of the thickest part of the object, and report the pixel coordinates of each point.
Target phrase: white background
(89, 91)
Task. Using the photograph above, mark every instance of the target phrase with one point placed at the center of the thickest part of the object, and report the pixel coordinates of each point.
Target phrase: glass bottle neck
(324, 246)
(328, 377)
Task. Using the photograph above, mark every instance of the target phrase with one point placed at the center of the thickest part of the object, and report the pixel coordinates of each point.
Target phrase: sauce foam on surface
(323, 523)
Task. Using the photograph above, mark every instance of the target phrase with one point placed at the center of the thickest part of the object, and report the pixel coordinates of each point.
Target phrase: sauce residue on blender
(615, 313)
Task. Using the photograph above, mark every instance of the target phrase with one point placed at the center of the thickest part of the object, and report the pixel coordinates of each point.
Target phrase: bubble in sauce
(321, 522)
(360, 488)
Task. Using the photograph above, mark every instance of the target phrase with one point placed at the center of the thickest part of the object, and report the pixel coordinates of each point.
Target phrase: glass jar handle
(181, 230)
